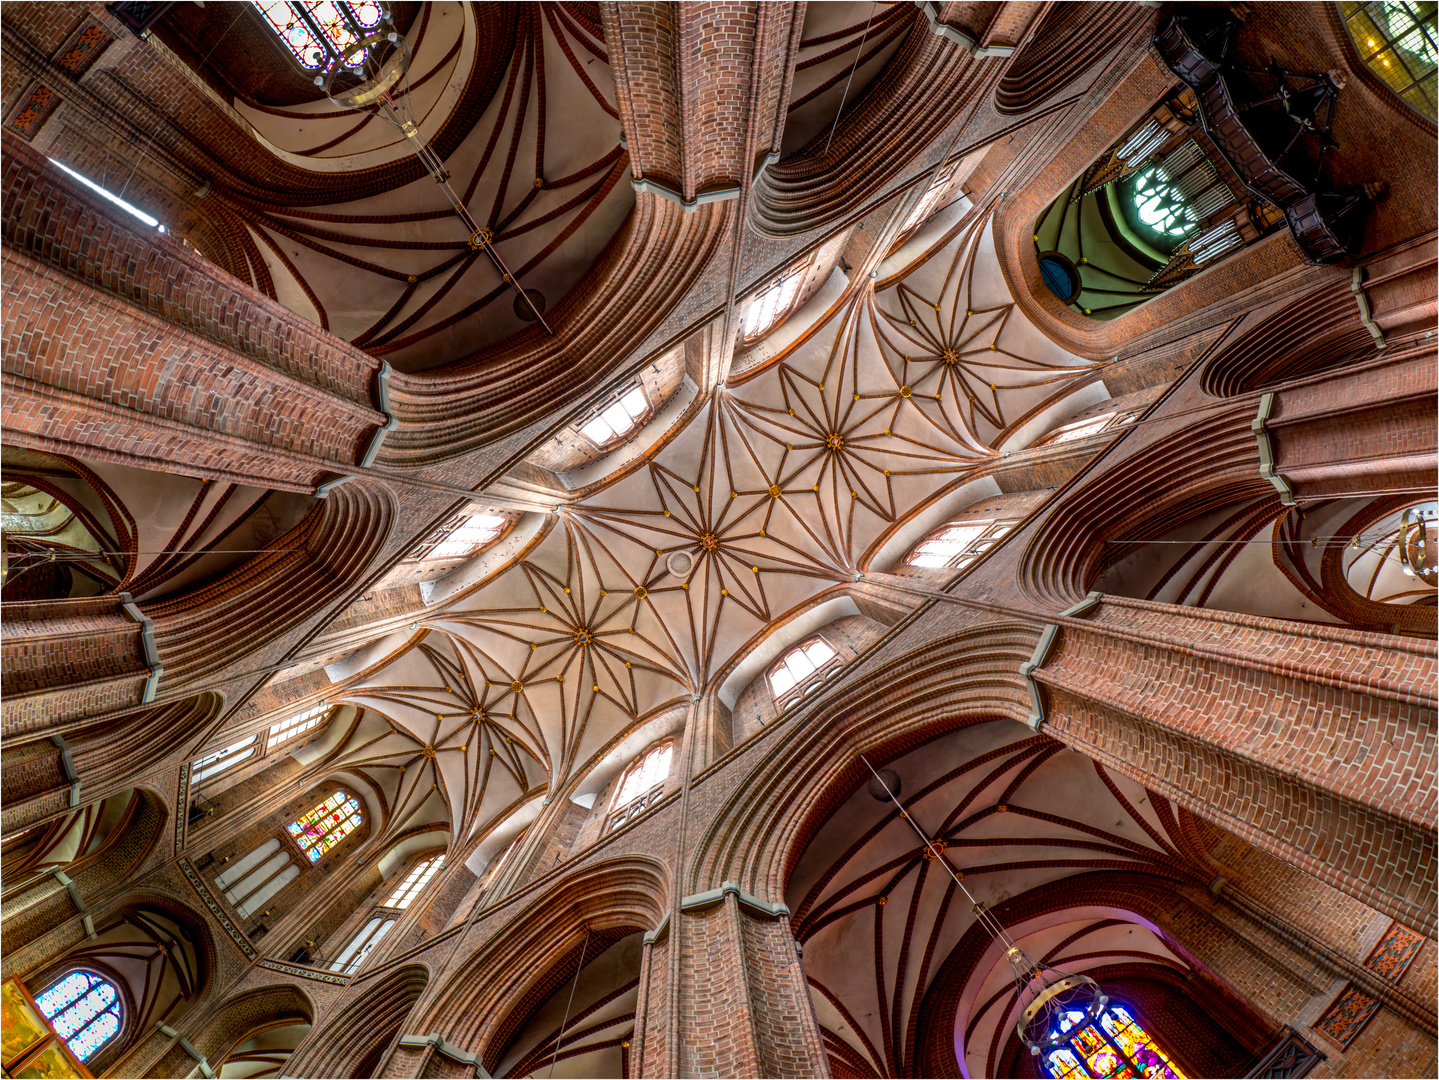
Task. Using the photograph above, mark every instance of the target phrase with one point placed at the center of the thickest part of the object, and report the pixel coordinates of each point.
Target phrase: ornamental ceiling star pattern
(780, 488)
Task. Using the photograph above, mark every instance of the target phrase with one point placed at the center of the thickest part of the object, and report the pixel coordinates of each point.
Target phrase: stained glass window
(318, 33)
(326, 825)
(1399, 42)
(1113, 1045)
(84, 1010)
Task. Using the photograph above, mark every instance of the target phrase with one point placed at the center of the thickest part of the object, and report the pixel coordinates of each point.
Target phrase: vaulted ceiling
(781, 486)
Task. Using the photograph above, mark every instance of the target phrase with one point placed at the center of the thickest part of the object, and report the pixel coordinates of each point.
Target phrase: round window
(1061, 276)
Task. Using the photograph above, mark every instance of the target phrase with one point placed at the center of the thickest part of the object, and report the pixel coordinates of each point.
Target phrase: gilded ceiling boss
(719, 538)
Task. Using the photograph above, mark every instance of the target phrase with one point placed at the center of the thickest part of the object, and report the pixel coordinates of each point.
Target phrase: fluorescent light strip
(146, 218)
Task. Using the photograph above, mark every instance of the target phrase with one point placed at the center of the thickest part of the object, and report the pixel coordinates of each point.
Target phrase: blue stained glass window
(296, 24)
(1116, 1046)
(84, 1010)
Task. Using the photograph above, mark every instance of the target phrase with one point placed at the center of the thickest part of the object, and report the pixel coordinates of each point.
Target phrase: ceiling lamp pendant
(1055, 1006)
(372, 75)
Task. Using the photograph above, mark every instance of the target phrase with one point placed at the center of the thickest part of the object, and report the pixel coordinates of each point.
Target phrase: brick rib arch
(657, 256)
(926, 86)
(1071, 39)
(538, 948)
(352, 1042)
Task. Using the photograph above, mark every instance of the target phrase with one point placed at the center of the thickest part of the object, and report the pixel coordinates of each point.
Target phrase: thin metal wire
(986, 918)
(560, 1035)
(845, 96)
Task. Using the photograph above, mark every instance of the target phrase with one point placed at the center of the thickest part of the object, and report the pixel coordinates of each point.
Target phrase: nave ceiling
(779, 489)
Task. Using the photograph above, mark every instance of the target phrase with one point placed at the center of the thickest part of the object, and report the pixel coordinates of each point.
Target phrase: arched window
(220, 760)
(801, 669)
(360, 945)
(643, 784)
(326, 825)
(959, 543)
(258, 876)
(933, 199)
(463, 534)
(773, 303)
(617, 417)
(319, 32)
(296, 725)
(84, 1010)
(1397, 39)
(414, 883)
(1113, 1044)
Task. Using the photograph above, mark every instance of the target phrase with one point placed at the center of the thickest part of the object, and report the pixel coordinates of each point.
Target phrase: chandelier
(1055, 1006)
(372, 75)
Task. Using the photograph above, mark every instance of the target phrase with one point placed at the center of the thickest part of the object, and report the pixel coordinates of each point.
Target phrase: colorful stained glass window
(84, 1010)
(1114, 1044)
(318, 33)
(326, 825)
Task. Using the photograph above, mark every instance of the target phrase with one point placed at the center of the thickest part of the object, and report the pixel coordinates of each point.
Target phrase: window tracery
(801, 669)
(1397, 39)
(318, 32)
(227, 758)
(463, 534)
(934, 198)
(414, 883)
(326, 825)
(84, 1010)
(1081, 429)
(773, 303)
(297, 725)
(958, 543)
(615, 420)
(361, 945)
(643, 784)
(252, 881)
(1114, 1045)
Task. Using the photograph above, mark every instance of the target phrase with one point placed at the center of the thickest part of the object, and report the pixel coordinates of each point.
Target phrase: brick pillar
(744, 1007)
(67, 659)
(1314, 744)
(181, 367)
(1367, 429)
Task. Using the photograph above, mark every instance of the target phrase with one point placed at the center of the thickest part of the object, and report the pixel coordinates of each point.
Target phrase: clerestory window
(297, 725)
(933, 199)
(360, 946)
(617, 418)
(773, 303)
(801, 670)
(84, 1010)
(317, 34)
(464, 534)
(220, 760)
(643, 784)
(414, 883)
(958, 543)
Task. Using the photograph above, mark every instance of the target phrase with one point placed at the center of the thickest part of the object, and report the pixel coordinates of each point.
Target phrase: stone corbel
(959, 37)
(713, 193)
(152, 653)
(188, 1047)
(1356, 286)
(382, 391)
(1266, 449)
(1038, 712)
(756, 906)
(449, 1050)
(67, 765)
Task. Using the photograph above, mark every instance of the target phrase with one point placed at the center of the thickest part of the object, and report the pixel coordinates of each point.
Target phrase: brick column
(1366, 429)
(744, 1006)
(1314, 744)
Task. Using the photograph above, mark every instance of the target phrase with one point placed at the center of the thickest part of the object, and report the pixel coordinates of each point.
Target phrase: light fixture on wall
(1055, 1006)
(372, 75)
